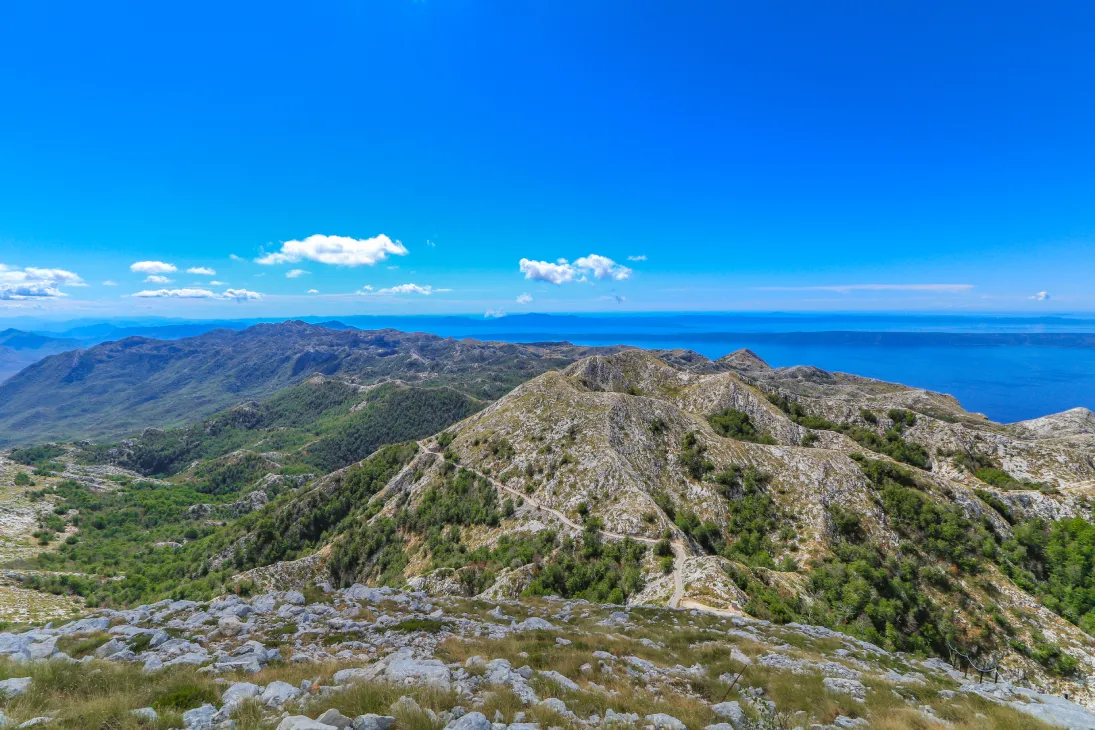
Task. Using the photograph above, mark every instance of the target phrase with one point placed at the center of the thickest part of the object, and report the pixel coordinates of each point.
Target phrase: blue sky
(760, 156)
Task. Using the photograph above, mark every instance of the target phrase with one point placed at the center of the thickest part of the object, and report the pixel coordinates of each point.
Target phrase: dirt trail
(680, 547)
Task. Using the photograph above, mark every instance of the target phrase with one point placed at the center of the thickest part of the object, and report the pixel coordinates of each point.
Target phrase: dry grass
(971, 714)
(84, 698)
(377, 698)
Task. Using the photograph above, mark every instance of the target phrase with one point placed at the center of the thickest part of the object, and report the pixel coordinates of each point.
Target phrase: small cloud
(1041, 296)
(108, 282)
(156, 279)
(152, 267)
(294, 273)
(313, 291)
(393, 268)
(524, 298)
(238, 295)
(234, 257)
(336, 250)
(34, 283)
(603, 267)
(557, 273)
(430, 243)
(562, 272)
(494, 314)
(366, 289)
(175, 294)
(640, 257)
(217, 283)
(201, 271)
(409, 289)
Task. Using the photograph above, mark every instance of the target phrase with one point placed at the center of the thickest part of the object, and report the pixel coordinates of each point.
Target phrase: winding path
(680, 549)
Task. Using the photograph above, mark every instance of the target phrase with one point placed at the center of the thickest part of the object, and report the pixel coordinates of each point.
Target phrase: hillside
(117, 388)
(794, 495)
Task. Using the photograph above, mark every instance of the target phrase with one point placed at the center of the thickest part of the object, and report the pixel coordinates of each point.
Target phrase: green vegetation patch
(892, 442)
(36, 455)
(736, 424)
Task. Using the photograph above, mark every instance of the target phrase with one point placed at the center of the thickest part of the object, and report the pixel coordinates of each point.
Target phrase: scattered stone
(560, 680)
(199, 718)
(239, 692)
(535, 624)
(335, 718)
(470, 721)
(277, 694)
(373, 722)
(14, 687)
(731, 712)
(851, 687)
(300, 722)
(145, 713)
(661, 721)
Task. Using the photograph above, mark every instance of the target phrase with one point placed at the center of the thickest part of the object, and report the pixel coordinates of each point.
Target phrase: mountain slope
(883, 511)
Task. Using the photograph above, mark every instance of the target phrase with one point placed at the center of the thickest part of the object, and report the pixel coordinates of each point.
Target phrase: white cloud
(366, 289)
(640, 257)
(1041, 296)
(108, 282)
(494, 314)
(524, 298)
(234, 257)
(152, 267)
(156, 279)
(406, 289)
(430, 243)
(294, 273)
(563, 272)
(603, 267)
(217, 283)
(35, 283)
(175, 294)
(336, 250)
(313, 291)
(393, 268)
(557, 273)
(847, 288)
(238, 295)
(201, 271)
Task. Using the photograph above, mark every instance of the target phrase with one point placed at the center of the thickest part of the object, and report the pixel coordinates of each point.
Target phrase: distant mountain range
(19, 349)
(111, 389)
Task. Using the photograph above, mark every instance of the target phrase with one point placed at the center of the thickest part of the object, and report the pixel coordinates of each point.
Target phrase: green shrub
(36, 455)
(736, 424)
(692, 458)
(185, 697)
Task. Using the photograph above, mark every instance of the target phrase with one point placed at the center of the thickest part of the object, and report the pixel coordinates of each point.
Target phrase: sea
(1008, 368)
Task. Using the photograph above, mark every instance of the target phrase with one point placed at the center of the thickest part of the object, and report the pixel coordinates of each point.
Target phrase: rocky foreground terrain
(373, 659)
